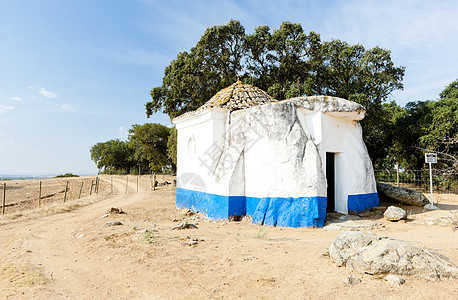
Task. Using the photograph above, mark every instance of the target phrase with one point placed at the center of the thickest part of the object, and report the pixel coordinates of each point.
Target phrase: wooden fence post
(127, 183)
(65, 194)
(97, 181)
(154, 181)
(39, 196)
(81, 188)
(4, 198)
(92, 184)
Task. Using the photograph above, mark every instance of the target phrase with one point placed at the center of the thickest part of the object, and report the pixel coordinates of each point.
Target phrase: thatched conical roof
(238, 96)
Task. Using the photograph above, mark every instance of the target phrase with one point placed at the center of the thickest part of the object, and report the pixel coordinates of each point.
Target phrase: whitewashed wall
(353, 168)
(200, 140)
(274, 150)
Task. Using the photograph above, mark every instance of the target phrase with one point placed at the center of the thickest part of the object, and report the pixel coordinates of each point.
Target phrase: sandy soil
(72, 255)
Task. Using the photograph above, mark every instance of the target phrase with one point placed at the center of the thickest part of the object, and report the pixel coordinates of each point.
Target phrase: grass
(21, 275)
(149, 237)
(45, 210)
(261, 233)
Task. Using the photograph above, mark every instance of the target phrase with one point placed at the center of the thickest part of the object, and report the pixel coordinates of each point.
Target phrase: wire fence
(445, 183)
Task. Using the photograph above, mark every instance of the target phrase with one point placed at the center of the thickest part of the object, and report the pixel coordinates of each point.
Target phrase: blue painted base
(289, 212)
(215, 206)
(362, 202)
(274, 211)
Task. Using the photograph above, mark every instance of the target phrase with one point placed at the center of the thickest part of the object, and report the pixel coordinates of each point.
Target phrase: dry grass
(19, 276)
(52, 208)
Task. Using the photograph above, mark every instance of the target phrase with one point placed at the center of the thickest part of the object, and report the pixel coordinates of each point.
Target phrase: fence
(27, 194)
(419, 180)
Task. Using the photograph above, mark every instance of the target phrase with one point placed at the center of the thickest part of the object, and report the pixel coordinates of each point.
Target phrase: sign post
(431, 158)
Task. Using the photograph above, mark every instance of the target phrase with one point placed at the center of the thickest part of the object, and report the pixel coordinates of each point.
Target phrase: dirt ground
(74, 255)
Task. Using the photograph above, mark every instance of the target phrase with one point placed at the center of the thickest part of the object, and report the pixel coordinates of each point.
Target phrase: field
(68, 251)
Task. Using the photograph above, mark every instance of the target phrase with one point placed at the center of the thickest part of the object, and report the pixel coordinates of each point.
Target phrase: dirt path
(71, 255)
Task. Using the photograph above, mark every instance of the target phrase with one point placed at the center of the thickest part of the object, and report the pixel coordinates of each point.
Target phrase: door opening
(330, 178)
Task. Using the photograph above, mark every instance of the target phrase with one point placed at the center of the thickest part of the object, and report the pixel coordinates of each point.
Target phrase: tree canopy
(146, 149)
(150, 143)
(286, 62)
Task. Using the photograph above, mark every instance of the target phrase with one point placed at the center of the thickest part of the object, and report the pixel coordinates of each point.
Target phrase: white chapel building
(285, 163)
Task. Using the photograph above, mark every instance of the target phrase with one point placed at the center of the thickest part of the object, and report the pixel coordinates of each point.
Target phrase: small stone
(115, 210)
(114, 223)
(351, 280)
(395, 214)
(184, 225)
(365, 214)
(431, 207)
(378, 208)
(440, 221)
(394, 279)
(189, 243)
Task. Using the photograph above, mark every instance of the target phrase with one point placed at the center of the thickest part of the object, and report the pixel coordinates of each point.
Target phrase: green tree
(286, 63)
(193, 78)
(172, 147)
(113, 156)
(409, 128)
(442, 133)
(150, 143)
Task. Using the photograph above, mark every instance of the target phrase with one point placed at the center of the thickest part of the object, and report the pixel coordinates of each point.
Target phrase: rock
(372, 254)
(431, 207)
(440, 221)
(351, 280)
(354, 225)
(401, 195)
(184, 225)
(188, 212)
(114, 223)
(379, 208)
(394, 279)
(394, 214)
(189, 243)
(115, 210)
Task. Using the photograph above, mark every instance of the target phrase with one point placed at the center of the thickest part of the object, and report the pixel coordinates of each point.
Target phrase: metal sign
(431, 158)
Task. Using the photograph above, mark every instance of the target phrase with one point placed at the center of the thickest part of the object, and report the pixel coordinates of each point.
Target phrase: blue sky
(74, 73)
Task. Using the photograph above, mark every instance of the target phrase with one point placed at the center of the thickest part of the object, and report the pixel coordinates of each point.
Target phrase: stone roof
(334, 106)
(240, 95)
(237, 96)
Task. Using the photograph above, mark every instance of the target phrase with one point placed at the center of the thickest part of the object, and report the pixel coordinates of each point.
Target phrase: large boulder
(372, 254)
(395, 214)
(401, 195)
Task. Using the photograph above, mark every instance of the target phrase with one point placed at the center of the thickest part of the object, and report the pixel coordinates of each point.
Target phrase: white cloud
(16, 98)
(5, 108)
(67, 107)
(48, 94)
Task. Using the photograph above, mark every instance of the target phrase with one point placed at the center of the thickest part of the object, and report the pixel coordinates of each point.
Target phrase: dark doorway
(330, 177)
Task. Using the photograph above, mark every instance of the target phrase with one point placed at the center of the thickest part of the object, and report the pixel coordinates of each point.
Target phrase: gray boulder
(401, 195)
(372, 254)
(393, 213)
